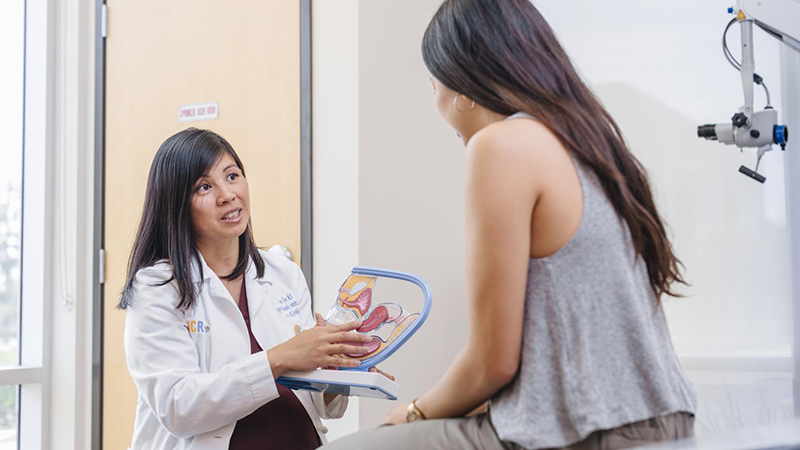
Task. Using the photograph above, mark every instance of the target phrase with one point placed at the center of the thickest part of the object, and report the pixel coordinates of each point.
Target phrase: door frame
(99, 192)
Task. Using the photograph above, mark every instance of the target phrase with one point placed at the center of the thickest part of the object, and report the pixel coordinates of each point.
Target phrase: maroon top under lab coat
(282, 423)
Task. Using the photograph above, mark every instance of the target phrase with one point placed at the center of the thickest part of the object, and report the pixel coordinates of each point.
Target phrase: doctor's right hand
(320, 346)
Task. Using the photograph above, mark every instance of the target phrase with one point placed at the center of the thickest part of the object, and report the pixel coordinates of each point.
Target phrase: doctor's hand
(320, 346)
(376, 370)
(321, 323)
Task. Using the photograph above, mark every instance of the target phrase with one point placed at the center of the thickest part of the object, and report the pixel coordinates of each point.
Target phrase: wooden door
(242, 55)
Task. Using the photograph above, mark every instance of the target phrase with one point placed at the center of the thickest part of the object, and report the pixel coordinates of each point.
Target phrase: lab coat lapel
(268, 327)
(257, 288)
(210, 281)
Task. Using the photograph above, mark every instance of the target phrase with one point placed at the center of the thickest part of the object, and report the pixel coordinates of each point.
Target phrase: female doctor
(212, 321)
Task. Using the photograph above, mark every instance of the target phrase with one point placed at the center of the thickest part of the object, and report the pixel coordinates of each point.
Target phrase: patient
(567, 257)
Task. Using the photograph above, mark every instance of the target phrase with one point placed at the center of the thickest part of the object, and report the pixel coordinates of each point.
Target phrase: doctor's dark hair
(505, 57)
(165, 230)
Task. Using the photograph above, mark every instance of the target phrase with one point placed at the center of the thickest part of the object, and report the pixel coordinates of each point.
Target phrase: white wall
(662, 73)
(335, 161)
(790, 63)
(394, 191)
(410, 193)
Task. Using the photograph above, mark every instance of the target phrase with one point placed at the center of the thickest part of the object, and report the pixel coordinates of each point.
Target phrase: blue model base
(350, 390)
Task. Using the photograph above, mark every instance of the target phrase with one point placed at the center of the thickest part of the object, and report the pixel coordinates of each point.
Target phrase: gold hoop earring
(455, 105)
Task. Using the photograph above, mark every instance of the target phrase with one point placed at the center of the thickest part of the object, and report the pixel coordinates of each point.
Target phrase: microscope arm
(780, 18)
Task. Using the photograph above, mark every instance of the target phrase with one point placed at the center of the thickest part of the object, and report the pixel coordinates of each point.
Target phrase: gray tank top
(596, 351)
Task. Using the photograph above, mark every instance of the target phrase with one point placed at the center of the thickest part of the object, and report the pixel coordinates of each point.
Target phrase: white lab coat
(194, 371)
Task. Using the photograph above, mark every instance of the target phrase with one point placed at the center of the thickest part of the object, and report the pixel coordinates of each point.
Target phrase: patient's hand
(479, 410)
(398, 415)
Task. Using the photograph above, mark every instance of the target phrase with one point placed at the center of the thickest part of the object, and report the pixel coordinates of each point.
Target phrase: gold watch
(413, 413)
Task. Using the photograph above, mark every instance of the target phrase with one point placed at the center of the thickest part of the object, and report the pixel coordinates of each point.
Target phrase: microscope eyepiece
(707, 131)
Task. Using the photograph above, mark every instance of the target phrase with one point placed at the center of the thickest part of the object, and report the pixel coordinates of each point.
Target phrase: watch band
(413, 413)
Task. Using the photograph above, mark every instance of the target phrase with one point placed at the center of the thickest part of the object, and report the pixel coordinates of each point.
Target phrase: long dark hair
(165, 230)
(503, 55)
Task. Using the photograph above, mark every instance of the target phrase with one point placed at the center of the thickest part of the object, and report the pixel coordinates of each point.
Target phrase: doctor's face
(221, 202)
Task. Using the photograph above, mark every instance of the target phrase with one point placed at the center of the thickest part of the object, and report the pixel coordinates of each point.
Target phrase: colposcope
(749, 128)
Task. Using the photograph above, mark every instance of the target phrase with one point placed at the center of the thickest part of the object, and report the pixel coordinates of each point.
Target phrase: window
(12, 57)
(8, 417)
(23, 124)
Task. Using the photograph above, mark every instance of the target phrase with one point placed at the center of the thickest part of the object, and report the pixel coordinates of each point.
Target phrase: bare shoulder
(522, 149)
(520, 139)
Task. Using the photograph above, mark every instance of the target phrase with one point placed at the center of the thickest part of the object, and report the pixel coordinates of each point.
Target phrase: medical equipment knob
(752, 174)
(739, 120)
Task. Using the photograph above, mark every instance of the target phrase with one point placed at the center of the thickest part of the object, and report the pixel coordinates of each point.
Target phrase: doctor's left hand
(321, 323)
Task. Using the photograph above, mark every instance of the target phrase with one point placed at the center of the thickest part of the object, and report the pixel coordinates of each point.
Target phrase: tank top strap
(520, 115)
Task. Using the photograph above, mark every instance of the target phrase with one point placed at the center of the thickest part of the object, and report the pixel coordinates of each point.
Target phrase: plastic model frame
(355, 302)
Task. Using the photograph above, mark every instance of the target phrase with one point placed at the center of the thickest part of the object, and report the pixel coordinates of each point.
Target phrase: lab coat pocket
(214, 440)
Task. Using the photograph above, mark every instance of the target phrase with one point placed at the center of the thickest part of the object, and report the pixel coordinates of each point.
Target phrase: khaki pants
(477, 433)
